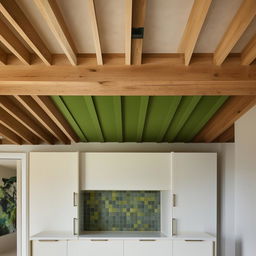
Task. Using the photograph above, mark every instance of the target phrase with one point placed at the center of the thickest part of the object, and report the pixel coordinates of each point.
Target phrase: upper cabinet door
(53, 180)
(194, 184)
(125, 171)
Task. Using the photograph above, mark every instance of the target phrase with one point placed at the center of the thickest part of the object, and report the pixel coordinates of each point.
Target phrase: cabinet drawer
(147, 248)
(49, 248)
(95, 248)
(193, 248)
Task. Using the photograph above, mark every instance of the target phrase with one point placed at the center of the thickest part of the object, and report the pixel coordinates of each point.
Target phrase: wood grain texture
(194, 25)
(249, 52)
(128, 31)
(138, 20)
(239, 24)
(15, 110)
(52, 111)
(15, 16)
(10, 135)
(3, 57)
(52, 14)
(173, 78)
(227, 136)
(12, 124)
(9, 40)
(95, 31)
(232, 110)
(42, 117)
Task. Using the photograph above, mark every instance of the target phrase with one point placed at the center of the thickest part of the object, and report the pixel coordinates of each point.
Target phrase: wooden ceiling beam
(3, 57)
(138, 20)
(53, 112)
(29, 103)
(114, 78)
(16, 17)
(16, 111)
(9, 40)
(194, 25)
(239, 24)
(230, 112)
(249, 52)
(10, 135)
(128, 31)
(95, 31)
(227, 136)
(52, 14)
(12, 124)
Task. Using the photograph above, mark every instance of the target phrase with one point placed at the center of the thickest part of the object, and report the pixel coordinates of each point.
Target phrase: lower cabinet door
(49, 248)
(95, 247)
(193, 248)
(147, 248)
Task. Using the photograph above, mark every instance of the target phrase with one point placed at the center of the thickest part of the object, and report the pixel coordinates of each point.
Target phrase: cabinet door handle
(173, 200)
(194, 240)
(47, 241)
(75, 225)
(174, 227)
(99, 240)
(75, 199)
(147, 240)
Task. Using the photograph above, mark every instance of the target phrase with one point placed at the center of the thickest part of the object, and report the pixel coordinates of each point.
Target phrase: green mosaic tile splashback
(121, 210)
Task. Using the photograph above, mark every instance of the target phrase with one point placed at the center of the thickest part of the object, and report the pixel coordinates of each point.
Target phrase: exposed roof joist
(10, 105)
(9, 40)
(49, 107)
(95, 31)
(194, 25)
(15, 16)
(231, 111)
(239, 24)
(249, 52)
(3, 57)
(173, 78)
(138, 20)
(52, 14)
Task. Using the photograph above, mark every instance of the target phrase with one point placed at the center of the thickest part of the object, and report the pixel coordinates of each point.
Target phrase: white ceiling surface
(8, 164)
(164, 25)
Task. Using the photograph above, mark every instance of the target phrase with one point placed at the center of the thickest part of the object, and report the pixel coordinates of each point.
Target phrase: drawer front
(193, 248)
(95, 248)
(49, 248)
(147, 248)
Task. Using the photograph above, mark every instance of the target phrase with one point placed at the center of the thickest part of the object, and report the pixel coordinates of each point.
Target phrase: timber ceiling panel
(67, 119)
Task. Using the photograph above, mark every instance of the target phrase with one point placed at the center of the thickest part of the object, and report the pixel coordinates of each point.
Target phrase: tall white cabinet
(53, 180)
(194, 188)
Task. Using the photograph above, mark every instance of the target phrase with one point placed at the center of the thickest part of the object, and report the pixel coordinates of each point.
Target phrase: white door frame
(23, 247)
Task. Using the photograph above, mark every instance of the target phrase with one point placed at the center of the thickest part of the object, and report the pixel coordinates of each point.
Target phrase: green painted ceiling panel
(205, 109)
(82, 109)
(138, 118)
(134, 115)
(186, 107)
(161, 110)
(67, 114)
(109, 111)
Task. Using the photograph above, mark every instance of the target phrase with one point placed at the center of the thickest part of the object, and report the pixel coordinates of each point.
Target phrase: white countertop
(120, 235)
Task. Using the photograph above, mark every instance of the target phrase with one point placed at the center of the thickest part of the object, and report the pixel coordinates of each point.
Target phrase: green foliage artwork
(8, 195)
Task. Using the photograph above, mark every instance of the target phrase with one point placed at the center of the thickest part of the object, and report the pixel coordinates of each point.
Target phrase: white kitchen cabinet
(53, 180)
(193, 248)
(49, 248)
(95, 247)
(125, 171)
(147, 248)
(194, 185)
